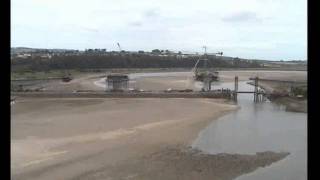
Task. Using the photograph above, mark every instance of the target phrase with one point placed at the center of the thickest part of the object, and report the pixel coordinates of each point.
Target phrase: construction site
(198, 83)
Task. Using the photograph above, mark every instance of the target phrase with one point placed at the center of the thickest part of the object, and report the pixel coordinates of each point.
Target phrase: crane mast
(119, 47)
(206, 77)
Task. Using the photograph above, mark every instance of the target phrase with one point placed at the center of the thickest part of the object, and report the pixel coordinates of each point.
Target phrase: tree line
(92, 61)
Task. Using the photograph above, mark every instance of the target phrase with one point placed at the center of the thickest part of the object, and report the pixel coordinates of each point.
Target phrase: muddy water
(260, 127)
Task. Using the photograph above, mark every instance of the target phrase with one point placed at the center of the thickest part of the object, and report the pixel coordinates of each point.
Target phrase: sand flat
(49, 126)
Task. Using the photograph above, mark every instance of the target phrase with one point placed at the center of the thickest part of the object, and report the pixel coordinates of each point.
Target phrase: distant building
(24, 55)
(46, 56)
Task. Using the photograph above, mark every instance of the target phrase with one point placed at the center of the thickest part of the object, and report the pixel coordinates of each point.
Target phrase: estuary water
(259, 127)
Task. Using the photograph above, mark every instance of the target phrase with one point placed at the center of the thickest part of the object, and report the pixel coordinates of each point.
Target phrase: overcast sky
(261, 29)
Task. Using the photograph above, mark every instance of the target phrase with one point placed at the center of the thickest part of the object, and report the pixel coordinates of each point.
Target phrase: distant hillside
(96, 59)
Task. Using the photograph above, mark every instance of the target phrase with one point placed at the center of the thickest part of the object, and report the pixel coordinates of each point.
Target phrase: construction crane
(213, 76)
(205, 57)
(205, 49)
(119, 47)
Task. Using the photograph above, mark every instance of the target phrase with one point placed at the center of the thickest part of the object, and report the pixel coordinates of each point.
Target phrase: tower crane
(205, 49)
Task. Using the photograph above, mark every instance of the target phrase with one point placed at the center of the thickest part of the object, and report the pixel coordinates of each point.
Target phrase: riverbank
(293, 104)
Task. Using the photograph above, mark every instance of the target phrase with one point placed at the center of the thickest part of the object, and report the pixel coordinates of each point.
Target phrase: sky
(253, 29)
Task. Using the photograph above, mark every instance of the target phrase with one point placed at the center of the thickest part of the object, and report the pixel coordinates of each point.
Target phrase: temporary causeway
(211, 94)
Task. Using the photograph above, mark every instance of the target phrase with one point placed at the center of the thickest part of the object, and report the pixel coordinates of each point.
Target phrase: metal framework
(206, 77)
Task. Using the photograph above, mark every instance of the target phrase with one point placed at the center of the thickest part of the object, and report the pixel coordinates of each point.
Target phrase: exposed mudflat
(63, 138)
(184, 163)
(163, 81)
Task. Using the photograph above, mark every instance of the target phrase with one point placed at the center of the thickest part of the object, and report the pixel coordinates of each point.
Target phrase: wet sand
(61, 139)
(55, 139)
(149, 140)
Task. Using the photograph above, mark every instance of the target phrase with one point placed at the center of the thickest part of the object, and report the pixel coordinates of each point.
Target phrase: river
(259, 127)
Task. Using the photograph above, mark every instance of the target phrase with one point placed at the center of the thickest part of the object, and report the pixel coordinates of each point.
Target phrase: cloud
(239, 29)
(146, 17)
(136, 24)
(245, 16)
(90, 29)
(151, 13)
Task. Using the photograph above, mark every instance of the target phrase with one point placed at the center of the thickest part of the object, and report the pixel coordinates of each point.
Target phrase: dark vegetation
(300, 91)
(96, 61)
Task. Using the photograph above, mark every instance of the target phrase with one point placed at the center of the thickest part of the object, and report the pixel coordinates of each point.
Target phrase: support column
(236, 88)
(255, 98)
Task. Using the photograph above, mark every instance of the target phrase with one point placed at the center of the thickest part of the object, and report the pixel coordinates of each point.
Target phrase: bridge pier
(236, 81)
(256, 95)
